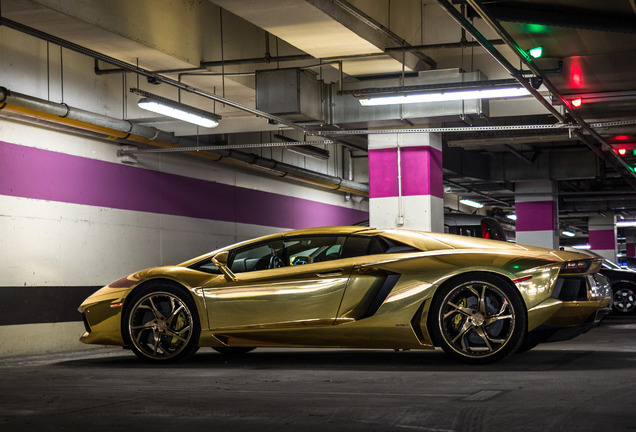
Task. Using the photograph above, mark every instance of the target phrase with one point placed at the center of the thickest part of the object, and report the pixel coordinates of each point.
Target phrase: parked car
(476, 226)
(627, 263)
(622, 281)
(351, 287)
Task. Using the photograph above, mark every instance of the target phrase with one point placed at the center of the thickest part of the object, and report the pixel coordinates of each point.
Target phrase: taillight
(580, 266)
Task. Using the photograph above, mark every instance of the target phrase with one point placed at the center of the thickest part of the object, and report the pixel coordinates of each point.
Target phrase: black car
(622, 281)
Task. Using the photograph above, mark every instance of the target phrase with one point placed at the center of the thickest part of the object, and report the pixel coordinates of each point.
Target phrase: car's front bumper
(102, 316)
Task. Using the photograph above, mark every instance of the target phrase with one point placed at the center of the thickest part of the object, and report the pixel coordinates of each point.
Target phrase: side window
(360, 246)
(288, 252)
(254, 257)
(308, 250)
(356, 246)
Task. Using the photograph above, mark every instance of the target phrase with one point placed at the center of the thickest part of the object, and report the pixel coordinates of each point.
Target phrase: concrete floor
(586, 384)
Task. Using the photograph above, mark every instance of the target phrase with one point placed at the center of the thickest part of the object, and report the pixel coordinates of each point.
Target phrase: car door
(288, 283)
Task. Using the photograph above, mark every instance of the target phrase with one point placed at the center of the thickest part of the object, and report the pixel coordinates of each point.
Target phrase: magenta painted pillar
(602, 232)
(630, 245)
(406, 187)
(537, 213)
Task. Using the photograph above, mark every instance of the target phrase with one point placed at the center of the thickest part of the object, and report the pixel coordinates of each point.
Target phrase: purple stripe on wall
(630, 250)
(40, 174)
(536, 216)
(602, 239)
(421, 172)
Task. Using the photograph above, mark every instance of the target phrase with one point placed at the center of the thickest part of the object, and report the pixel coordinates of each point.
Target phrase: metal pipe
(447, 45)
(256, 60)
(216, 63)
(62, 114)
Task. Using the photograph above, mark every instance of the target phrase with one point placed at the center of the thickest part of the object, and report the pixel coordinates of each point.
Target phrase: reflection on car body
(480, 300)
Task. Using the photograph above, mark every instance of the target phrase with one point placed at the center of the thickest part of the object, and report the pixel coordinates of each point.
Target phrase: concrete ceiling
(589, 52)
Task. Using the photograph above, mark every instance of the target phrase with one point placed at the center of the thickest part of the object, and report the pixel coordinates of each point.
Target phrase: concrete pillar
(537, 211)
(406, 188)
(602, 233)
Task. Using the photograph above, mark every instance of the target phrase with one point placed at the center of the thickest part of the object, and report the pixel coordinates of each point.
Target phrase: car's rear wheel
(161, 324)
(478, 318)
(624, 300)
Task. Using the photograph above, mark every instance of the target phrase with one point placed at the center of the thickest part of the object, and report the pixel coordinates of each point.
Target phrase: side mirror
(220, 260)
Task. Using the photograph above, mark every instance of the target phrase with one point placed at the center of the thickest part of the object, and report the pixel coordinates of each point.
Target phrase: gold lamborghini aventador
(479, 300)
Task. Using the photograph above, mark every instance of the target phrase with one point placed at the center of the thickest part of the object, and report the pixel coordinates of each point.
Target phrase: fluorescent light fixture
(585, 247)
(626, 223)
(568, 233)
(488, 93)
(471, 203)
(170, 108)
(512, 216)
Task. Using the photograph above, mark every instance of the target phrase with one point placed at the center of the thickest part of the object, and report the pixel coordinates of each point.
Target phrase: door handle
(330, 274)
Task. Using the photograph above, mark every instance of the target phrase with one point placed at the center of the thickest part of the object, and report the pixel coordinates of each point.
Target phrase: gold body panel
(346, 302)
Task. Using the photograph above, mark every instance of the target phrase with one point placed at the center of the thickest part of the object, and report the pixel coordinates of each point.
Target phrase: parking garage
(512, 121)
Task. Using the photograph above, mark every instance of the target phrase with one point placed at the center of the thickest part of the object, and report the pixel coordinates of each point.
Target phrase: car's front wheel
(161, 324)
(478, 318)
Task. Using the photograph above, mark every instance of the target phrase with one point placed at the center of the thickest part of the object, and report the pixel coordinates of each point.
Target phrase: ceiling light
(568, 233)
(626, 223)
(577, 102)
(170, 108)
(512, 216)
(450, 95)
(536, 52)
(471, 203)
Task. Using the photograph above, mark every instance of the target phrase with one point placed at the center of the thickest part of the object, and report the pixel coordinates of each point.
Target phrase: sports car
(355, 287)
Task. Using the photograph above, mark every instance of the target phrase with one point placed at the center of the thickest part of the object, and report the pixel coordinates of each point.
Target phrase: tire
(233, 351)
(161, 324)
(478, 318)
(624, 300)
